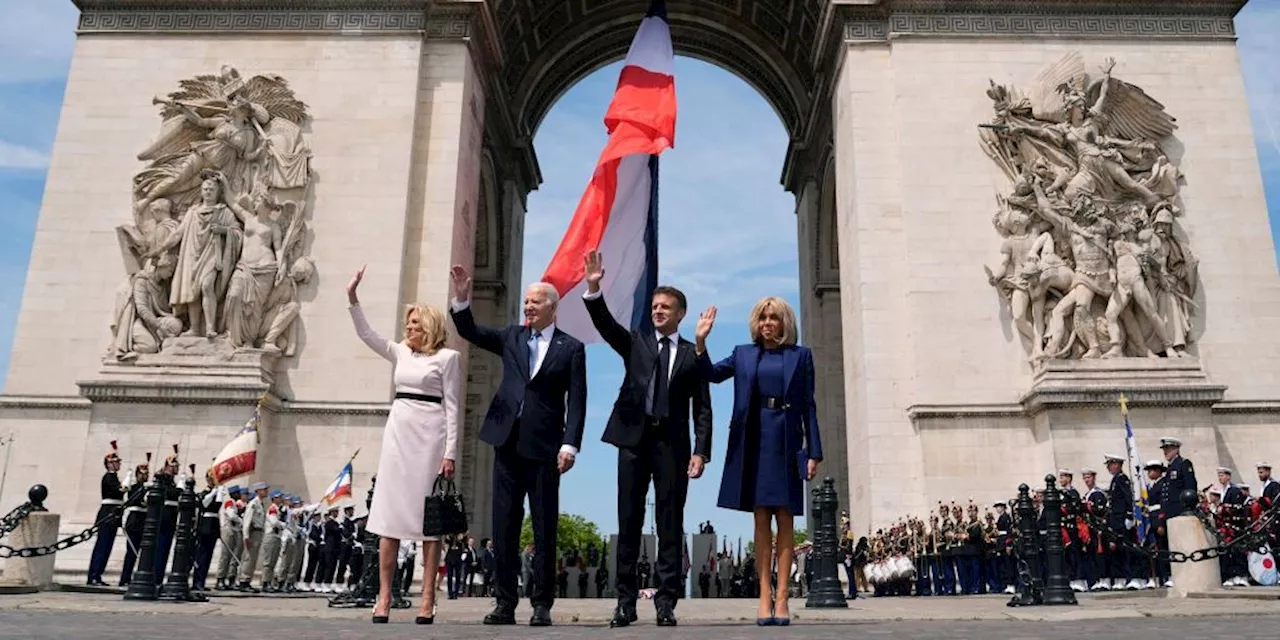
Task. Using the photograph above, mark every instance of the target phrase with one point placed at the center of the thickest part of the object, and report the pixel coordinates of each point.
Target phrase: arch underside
(767, 43)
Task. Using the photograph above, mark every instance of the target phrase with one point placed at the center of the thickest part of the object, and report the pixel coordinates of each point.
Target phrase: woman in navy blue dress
(774, 446)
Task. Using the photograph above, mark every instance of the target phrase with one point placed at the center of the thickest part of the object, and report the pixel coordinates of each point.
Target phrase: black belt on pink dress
(401, 395)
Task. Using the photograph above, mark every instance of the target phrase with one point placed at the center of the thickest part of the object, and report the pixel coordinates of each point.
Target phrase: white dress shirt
(544, 343)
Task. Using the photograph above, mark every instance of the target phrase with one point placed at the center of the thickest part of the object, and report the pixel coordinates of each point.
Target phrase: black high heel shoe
(427, 619)
(384, 619)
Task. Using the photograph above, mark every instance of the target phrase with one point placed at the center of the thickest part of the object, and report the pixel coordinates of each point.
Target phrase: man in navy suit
(649, 425)
(535, 424)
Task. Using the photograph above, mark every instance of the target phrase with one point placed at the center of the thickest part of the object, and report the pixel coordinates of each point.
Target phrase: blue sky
(727, 234)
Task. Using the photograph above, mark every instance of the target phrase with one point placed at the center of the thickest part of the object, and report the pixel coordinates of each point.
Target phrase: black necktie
(660, 401)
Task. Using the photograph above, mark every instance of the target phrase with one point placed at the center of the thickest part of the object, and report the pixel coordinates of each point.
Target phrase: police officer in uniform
(272, 541)
(252, 527)
(1119, 561)
(108, 518)
(135, 516)
(167, 478)
(229, 521)
(207, 530)
(1161, 502)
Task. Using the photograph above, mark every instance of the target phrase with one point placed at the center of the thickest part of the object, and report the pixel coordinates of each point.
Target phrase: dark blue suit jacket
(803, 441)
(554, 401)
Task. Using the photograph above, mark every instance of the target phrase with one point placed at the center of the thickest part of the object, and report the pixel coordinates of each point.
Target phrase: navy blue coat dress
(801, 439)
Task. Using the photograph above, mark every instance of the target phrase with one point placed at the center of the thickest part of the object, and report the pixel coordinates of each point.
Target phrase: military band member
(167, 478)
(252, 527)
(1094, 506)
(1234, 565)
(229, 523)
(207, 529)
(135, 516)
(1120, 562)
(1160, 503)
(1181, 476)
(271, 541)
(108, 518)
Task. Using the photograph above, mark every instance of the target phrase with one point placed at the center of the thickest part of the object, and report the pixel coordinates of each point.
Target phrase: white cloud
(36, 37)
(13, 156)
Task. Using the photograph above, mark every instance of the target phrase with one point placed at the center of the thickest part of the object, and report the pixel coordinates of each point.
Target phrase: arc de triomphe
(398, 133)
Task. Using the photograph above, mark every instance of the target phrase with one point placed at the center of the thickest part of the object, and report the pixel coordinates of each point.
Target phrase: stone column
(39, 529)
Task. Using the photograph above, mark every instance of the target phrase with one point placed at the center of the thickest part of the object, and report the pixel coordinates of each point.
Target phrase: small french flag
(618, 213)
(340, 487)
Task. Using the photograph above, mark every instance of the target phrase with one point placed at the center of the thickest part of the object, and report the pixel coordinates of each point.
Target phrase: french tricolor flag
(618, 213)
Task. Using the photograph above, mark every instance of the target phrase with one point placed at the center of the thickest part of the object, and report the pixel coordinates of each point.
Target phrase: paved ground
(41, 625)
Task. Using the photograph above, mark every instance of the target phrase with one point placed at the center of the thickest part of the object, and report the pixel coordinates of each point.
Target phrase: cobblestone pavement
(41, 625)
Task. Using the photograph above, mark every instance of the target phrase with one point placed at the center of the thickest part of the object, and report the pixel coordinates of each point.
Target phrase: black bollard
(177, 584)
(1057, 588)
(1026, 552)
(36, 496)
(143, 584)
(825, 591)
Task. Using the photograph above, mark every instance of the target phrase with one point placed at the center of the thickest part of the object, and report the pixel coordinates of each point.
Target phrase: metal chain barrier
(1256, 539)
(7, 551)
(14, 518)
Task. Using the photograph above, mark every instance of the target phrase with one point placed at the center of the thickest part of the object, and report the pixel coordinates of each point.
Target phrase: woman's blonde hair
(435, 331)
(785, 313)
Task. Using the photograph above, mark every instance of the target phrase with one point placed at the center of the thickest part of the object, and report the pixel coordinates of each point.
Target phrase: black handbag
(443, 512)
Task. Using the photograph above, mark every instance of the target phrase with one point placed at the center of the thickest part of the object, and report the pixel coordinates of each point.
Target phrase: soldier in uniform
(644, 570)
(1235, 564)
(1118, 560)
(348, 525)
(108, 518)
(314, 531)
(252, 527)
(1160, 503)
(1181, 475)
(356, 561)
(1094, 506)
(229, 522)
(1270, 488)
(167, 478)
(1071, 530)
(1004, 545)
(297, 544)
(602, 580)
(272, 541)
(331, 549)
(207, 530)
(135, 516)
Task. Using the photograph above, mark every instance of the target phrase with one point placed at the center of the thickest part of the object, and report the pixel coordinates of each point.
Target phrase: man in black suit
(535, 424)
(661, 391)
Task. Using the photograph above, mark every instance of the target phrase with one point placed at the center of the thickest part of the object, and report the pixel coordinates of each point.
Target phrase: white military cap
(1088, 472)
(1154, 464)
(1170, 441)
(1065, 472)
(1111, 457)
(1264, 465)
(1224, 470)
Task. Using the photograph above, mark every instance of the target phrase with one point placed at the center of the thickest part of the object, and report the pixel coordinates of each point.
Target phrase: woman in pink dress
(419, 443)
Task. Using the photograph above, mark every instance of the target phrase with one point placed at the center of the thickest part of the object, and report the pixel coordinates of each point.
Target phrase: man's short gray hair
(547, 290)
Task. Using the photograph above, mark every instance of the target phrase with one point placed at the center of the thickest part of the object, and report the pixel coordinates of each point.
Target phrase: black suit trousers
(514, 478)
(655, 458)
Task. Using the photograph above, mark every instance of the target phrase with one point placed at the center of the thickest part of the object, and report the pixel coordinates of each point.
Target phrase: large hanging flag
(341, 486)
(240, 457)
(618, 213)
(1139, 477)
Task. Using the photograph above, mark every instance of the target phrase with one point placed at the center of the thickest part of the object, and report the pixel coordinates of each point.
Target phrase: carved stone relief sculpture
(1092, 263)
(218, 244)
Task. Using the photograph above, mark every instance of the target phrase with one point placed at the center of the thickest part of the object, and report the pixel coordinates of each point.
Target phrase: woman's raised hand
(355, 282)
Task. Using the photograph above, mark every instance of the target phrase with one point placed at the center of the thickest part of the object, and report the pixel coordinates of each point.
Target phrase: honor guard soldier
(229, 522)
(1005, 561)
(332, 549)
(135, 516)
(252, 526)
(108, 518)
(271, 542)
(1074, 552)
(1270, 488)
(1093, 509)
(167, 477)
(348, 524)
(1181, 475)
(1234, 564)
(1119, 561)
(207, 529)
(1160, 504)
(297, 545)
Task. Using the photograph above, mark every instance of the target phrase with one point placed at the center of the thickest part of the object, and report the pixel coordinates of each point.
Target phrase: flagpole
(1139, 484)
